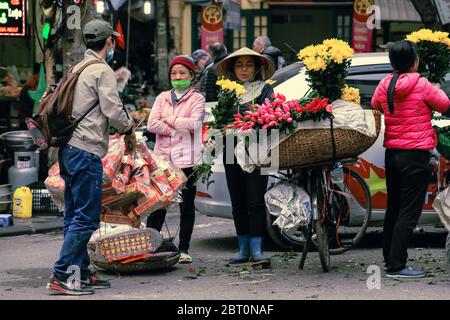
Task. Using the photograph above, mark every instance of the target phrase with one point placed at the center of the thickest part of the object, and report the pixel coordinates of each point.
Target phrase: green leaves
(223, 112)
(434, 60)
(330, 82)
(203, 173)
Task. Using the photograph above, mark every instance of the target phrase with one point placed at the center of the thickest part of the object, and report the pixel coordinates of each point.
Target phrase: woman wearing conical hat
(247, 189)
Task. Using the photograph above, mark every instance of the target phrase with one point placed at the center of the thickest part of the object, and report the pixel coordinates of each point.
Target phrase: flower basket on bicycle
(309, 146)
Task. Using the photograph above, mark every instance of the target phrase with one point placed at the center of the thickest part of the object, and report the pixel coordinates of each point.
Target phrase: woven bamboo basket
(158, 261)
(315, 145)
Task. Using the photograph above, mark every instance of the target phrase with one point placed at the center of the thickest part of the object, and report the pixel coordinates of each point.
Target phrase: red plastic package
(113, 160)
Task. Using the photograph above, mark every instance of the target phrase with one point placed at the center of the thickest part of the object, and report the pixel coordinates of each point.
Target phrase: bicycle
(331, 205)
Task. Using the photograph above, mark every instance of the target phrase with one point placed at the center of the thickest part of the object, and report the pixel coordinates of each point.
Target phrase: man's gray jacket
(97, 83)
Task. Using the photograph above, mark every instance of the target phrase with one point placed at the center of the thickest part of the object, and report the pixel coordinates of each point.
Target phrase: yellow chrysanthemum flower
(229, 85)
(318, 57)
(351, 94)
(427, 35)
(441, 36)
(446, 42)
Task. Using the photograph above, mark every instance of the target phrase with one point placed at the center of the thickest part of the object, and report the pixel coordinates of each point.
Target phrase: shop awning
(398, 10)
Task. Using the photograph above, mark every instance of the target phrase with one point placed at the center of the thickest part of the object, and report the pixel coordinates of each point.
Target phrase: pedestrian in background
(407, 101)
(208, 86)
(202, 61)
(263, 45)
(179, 109)
(247, 190)
(80, 159)
(26, 103)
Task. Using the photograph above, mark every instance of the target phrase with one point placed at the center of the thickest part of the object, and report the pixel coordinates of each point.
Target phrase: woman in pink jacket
(176, 119)
(407, 100)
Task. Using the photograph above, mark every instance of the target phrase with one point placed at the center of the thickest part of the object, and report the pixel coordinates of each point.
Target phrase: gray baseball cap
(97, 29)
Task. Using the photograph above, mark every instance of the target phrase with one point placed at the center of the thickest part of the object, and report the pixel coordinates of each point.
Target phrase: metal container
(10, 143)
(24, 171)
(18, 141)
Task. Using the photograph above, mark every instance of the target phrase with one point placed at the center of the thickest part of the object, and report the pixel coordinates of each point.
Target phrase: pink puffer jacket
(178, 128)
(409, 127)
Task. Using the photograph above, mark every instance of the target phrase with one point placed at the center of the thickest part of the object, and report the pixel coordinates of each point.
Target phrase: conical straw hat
(223, 67)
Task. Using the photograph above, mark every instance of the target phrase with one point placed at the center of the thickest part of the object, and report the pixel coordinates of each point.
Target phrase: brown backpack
(53, 124)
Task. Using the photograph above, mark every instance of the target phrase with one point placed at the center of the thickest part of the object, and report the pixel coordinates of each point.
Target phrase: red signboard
(212, 30)
(362, 35)
(12, 18)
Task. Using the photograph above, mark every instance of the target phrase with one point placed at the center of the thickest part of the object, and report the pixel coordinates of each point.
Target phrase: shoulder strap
(87, 112)
(87, 64)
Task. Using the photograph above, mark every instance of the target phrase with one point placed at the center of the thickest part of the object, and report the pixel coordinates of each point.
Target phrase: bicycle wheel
(352, 212)
(321, 226)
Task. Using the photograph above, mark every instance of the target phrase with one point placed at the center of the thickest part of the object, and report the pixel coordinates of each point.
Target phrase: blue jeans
(82, 173)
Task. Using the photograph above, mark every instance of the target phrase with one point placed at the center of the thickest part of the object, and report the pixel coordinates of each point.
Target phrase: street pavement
(26, 263)
(36, 224)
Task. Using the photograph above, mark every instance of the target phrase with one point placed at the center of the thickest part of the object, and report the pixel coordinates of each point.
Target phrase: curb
(20, 231)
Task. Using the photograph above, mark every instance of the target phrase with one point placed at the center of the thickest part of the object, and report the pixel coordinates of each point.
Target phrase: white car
(365, 73)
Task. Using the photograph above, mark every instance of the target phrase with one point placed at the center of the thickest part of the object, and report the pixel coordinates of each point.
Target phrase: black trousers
(247, 192)
(408, 174)
(187, 213)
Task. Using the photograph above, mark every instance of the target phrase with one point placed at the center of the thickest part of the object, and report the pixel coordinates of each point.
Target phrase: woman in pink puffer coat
(407, 101)
(176, 119)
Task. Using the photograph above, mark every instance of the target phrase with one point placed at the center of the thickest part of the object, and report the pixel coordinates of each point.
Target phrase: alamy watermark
(74, 280)
(374, 280)
(74, 17)
(374, 21)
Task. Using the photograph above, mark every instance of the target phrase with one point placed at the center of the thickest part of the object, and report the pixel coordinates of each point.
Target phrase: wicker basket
(158, 261)
(315, 145)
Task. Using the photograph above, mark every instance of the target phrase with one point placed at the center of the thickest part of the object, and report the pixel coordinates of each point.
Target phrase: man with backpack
(97, 106)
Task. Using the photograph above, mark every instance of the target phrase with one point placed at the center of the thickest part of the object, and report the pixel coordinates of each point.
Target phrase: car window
(366, 83)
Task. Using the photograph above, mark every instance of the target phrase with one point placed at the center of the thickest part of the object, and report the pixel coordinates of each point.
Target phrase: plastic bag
(290, 203)
(108, 229)
(55, 186)
(442, 206)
